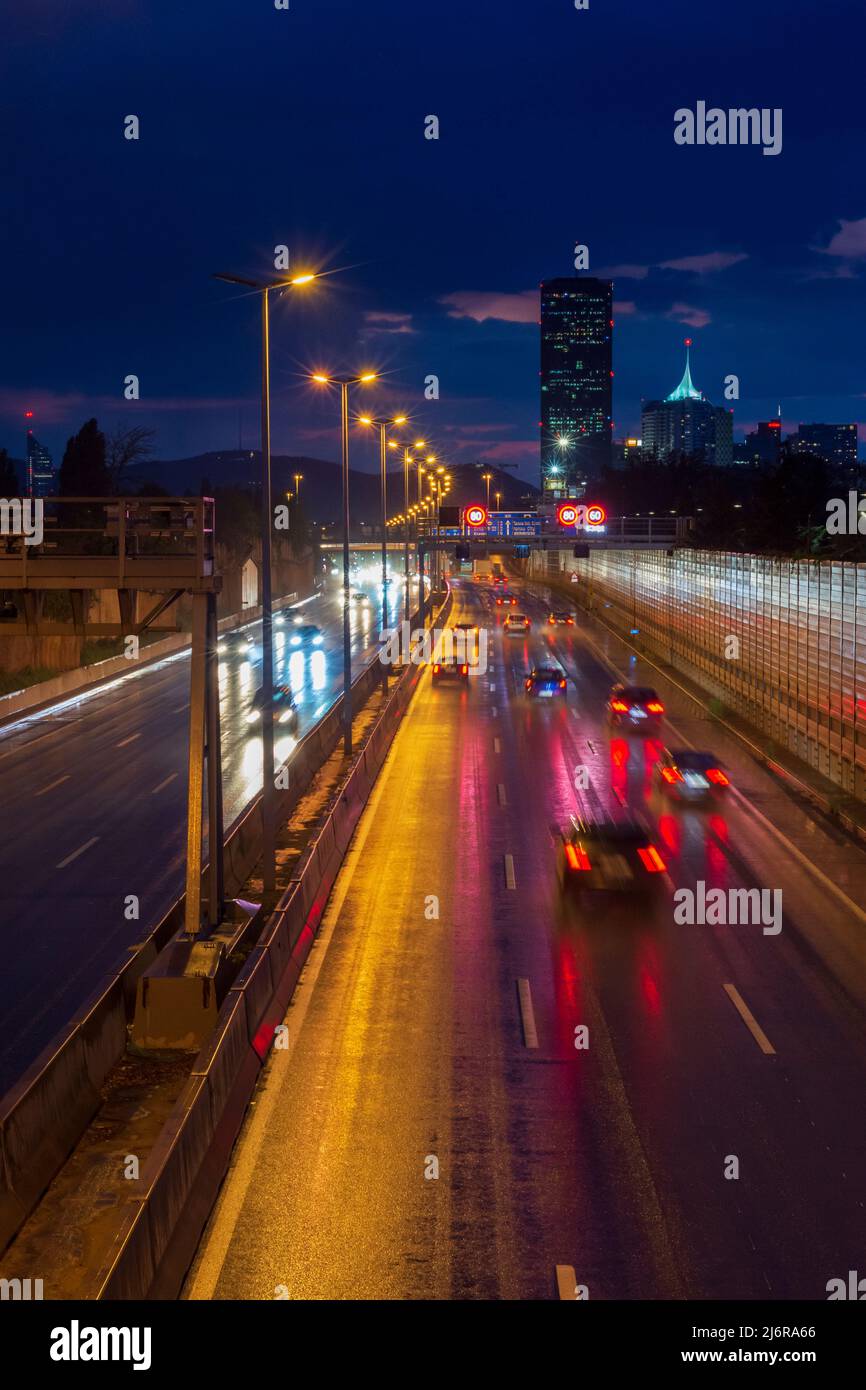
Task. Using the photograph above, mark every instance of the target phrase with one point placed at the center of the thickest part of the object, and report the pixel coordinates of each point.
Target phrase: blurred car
(239, 640)
(546, 681)
(360, 597)
(634, 707)
(517, 623)
(505, 598)
(613, 856)
(688, 775)
(307, 635)
(560, 619)
(450, 669)
(285, 709)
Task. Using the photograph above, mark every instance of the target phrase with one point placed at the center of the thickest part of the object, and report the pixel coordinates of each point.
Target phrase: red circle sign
(566, 514)
(475, 516)
(595, 515)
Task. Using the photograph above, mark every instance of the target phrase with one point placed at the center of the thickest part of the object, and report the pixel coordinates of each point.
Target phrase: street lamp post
(382, 426)
(344, 383)
(486, 477)
(407, 459)
(299, 478)
(269, 868)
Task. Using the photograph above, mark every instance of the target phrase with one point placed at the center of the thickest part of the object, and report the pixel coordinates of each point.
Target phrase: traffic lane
(104, 795)
(412, 1050)
(812, 1025)
(826, 869)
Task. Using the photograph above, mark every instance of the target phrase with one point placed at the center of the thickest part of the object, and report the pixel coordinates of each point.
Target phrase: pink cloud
(624, 306)
(687, 313)
(58, 408)
(850, 240)
(481, 305)
(511, 449)
(707, 263)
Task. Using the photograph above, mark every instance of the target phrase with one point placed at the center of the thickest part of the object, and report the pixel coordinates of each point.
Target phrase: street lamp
(382, 426)
(486, 477)
(407, 460)
(344, 382)
(498, 496)
(269, 867)
(299, 478)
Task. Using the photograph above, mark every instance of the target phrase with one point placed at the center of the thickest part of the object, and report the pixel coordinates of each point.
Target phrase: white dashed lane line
(69, 858)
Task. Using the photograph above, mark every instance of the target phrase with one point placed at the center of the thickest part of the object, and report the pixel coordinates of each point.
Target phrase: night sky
(306, 127)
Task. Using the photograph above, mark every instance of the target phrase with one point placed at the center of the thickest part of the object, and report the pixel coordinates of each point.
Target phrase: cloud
(511, 449)
(58, 408)
(849, 241)
(707, 263)
(481, 305)
(687, 313)
(624, 306)
(389, 323)
(624, 272)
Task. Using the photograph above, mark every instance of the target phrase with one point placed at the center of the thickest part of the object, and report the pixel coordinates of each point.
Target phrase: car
(504, 599)
(688, 775)
(614, 856)
(360, 597)
(239, 640)
(285, 709)
(497, 578)
(560, 619)
(307, 635)
(545, 682)
(635, 707)
(517, 622)
(449, 668)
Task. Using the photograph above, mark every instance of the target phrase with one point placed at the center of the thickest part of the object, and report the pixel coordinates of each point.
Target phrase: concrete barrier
(184, 1171)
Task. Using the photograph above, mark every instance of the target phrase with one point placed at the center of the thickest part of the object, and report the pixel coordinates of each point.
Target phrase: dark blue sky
(306, 127)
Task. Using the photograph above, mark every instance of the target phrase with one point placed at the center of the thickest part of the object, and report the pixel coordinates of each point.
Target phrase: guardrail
(44, 1115)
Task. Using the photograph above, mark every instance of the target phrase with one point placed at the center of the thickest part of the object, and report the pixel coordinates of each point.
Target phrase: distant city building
(576, 382)
(685, 423)
(835, 443)
(626, 451)
(765, 443)
(41, 477)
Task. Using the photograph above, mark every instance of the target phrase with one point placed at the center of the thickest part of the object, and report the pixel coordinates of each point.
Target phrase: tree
(125, 448)
(84, 472)
(8, 476)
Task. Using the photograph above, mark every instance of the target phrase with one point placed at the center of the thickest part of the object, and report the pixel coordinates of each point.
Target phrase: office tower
(576, 383)
(686, 424)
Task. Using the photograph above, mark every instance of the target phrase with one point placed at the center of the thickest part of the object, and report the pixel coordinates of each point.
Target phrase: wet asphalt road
(94, 809)
(409, 1048)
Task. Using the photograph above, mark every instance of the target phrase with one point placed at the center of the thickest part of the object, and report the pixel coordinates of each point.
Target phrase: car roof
(547, 671)
(691, 757)
(637, 692)
(626, 831)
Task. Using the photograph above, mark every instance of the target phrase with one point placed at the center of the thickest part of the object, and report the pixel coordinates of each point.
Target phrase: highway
(432, 1132)
(95, 790)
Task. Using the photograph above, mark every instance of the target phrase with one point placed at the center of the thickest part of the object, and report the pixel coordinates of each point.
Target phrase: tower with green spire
(685, 425)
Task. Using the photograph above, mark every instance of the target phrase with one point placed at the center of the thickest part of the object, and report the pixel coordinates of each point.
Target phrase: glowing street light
(344, 382)
(269, 871)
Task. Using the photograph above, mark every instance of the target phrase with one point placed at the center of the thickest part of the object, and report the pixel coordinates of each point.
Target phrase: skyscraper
(40, 468)
(685, 423)
(835, 443)
(576, 382)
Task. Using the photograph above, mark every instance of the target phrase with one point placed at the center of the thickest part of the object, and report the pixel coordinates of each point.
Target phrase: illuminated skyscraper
(40, 467)
(576, 382)
(684, 423)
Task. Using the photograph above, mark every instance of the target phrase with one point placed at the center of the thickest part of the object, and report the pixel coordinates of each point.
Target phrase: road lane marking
(527, 1013)
(181, 709)
(510, 880)
(500, 792)
(496, 747)
(69, 858)
(750, 1021)
(124, 741)
(493, 711)
(51, 785)
(566, 1283)
(159, 788)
